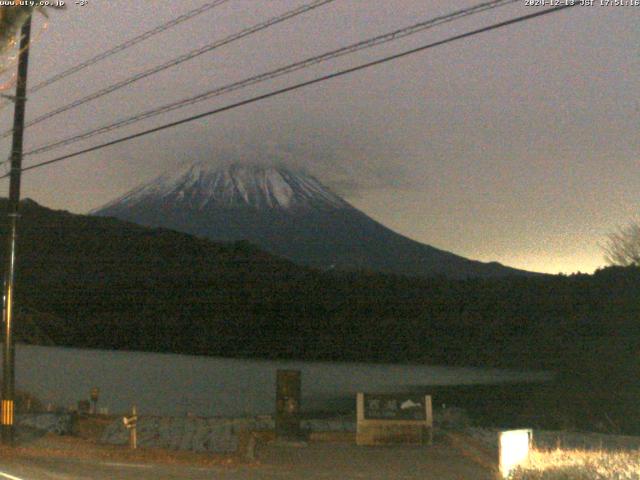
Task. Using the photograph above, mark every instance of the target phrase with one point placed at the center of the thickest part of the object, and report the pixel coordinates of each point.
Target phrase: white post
(133, 434)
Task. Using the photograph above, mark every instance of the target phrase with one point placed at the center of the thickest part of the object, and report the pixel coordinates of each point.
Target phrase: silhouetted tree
(623, 246)
(12, 18)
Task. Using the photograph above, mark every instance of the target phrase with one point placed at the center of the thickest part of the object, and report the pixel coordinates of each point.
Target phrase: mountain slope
(289, 214)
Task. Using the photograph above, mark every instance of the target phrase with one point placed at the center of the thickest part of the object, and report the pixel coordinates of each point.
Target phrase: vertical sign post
(131, 424)
(133, 433)
(95, 392)
(288, 404)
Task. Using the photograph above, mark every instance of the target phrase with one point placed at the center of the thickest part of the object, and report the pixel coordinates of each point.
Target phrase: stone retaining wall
(216, 435)
(60, 423)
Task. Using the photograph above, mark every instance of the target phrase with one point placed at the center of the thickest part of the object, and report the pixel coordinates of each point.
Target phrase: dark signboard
(394, 407)
(288, 386)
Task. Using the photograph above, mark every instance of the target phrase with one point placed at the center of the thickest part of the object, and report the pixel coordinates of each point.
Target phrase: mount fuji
(287, 213)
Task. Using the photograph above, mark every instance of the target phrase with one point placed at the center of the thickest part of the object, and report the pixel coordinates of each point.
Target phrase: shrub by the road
(580, 465)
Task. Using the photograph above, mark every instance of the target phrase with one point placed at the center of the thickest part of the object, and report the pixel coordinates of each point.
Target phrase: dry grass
(56, 446)
(580, 464)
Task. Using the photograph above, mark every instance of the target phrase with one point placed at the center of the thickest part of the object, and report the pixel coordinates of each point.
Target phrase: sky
(518, 145)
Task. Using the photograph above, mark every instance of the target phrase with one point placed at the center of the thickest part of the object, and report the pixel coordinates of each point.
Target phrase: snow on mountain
(286, 213)
(203, 185)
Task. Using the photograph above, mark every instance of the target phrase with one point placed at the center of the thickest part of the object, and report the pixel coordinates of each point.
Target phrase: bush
(27, 403)
(580, 465)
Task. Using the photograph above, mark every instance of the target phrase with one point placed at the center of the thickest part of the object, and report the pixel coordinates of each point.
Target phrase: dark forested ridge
(99, 282)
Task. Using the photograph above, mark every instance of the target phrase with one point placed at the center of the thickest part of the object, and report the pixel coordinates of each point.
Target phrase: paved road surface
(314, 462)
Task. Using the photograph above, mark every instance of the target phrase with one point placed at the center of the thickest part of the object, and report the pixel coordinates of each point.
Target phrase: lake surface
(169, 384)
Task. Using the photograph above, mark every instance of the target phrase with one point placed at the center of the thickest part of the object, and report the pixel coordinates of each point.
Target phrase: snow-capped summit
(287, 213)
(203, 185)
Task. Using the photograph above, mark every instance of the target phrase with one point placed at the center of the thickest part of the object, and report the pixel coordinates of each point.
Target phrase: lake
(169, 384)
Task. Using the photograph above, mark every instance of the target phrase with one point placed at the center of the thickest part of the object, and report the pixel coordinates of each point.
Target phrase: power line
(129, 43)
(364, 44)
(176, 61)
(301, 85)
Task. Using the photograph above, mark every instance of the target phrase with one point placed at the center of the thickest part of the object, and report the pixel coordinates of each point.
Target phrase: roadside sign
(394, 418)
(394, 407)
(130, 422)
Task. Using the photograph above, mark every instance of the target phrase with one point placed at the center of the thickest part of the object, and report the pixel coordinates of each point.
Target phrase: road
(314, 462)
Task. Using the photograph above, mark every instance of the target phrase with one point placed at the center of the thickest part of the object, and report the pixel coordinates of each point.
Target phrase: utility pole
(8, 357)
